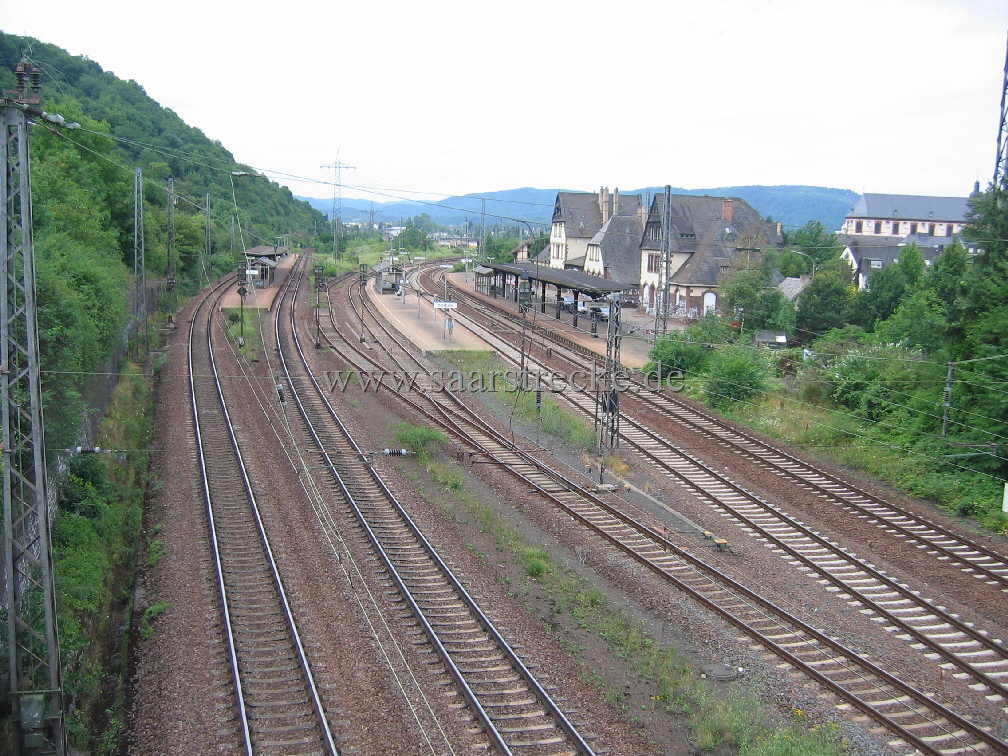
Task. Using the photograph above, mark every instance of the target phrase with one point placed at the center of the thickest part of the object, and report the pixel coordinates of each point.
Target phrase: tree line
(915, 363)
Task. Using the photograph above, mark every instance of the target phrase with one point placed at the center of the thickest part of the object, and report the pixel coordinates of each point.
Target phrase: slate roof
(619, 240)
(910, 207)
(792, 286)
(698, 228)
(887, 248)
(581, 215)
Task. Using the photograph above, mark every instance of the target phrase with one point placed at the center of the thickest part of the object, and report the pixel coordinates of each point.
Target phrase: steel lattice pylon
(664, 267)
(1001, 167)
(172, 266)
(139, 269)
(609, 428)
(33, 646)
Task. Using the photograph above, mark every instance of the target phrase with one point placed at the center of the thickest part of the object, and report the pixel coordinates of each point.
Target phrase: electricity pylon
(337, 202)
(32, 644)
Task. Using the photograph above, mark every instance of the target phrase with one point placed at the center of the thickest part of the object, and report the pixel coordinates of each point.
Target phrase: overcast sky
(452, 97)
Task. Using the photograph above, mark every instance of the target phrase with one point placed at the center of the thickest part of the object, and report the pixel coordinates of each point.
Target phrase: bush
(737, 375)
(676, 352)
(418, 440)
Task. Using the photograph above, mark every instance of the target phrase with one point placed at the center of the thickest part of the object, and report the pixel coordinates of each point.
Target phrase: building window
(895, 228)
(949, 230)
(875, 263)
(878, 227)
(652, 263)
(913, 229)
(858, 226)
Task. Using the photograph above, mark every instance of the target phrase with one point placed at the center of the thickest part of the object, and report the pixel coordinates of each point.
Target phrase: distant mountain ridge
(791, 205)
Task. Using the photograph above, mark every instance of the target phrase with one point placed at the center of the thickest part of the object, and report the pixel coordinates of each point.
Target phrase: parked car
(567, 304)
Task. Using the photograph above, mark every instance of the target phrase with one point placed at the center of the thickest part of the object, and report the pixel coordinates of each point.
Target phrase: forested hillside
(83, 216)
(83, 222)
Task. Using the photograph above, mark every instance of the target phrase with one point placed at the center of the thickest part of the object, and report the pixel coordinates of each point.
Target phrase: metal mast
(664, 266)
(1001, 167)
(32, 643)
(609, 428)
(205, 262)
(337, 203)
(139, 267)
(482, 243)
(172, 263)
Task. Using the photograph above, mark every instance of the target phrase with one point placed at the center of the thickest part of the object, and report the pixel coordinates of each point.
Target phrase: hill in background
(791, 205)
(157, 140)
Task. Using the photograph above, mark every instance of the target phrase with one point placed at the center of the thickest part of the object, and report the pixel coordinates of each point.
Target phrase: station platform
(422, 324)
(262, 297)
(634, 346)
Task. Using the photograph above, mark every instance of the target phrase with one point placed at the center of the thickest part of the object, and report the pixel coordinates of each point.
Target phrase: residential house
(708, 234)
(578, 217)
(614, 254)
(880, 225)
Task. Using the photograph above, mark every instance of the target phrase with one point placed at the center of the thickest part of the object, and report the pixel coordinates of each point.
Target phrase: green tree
(792, 264)
(817, 242)
(677, 352)
(947, 279)
(920, 322)
(823, 305)
(736, 375)
(887, 288)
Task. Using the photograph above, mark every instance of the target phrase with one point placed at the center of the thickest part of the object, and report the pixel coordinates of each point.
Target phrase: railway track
(278, 706)
(507, 702)
(915, 722)
(946, 638)
(970, 655)
(934, 540)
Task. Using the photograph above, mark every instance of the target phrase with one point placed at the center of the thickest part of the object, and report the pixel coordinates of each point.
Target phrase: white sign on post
(252, 272)
(446, 305)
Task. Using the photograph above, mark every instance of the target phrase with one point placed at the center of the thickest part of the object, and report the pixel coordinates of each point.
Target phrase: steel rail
(845, 588)
(959, 657)
(995, 571)
(556, 713)
(323, 725)
(229, 634)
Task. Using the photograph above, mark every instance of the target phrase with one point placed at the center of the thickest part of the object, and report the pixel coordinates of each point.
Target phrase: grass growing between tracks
(579, 610)
(551, 418)
(249, 332)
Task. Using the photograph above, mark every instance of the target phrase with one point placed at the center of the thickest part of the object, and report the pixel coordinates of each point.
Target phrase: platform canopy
(574, 280)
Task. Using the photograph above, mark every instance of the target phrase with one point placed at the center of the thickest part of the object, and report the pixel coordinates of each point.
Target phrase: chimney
(614, 207)
(726, 210)
(604, 204)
